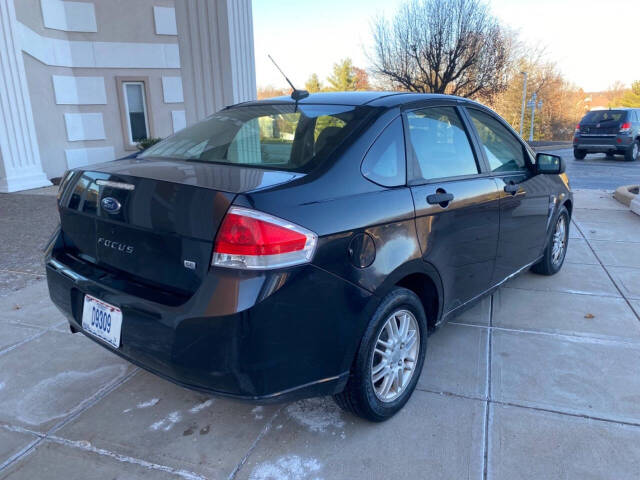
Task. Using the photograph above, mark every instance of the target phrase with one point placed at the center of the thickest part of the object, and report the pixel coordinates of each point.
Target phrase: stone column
(216, 54)
(20, 166)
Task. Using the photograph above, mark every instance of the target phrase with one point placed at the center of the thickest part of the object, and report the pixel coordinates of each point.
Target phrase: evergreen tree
(313, 85)
(631, 98)
(343, 77)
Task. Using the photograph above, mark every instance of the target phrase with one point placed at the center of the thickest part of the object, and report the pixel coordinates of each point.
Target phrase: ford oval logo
(110, 205)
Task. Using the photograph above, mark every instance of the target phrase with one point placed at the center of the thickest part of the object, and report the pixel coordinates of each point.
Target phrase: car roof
(380, 99)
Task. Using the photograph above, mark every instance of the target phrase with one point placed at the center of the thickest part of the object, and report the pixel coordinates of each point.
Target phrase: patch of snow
(148, 403)
(157, 425)
(1, 385)
(257, 413)
(316, 414)
(290, 467)
(57, 396)
(201, 406)
(167, 422)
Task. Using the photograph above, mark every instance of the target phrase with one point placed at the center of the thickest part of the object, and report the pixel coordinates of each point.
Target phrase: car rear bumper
(601, 144)
(296, 340)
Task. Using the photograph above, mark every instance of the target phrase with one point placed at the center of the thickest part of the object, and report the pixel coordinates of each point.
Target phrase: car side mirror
(549, 164)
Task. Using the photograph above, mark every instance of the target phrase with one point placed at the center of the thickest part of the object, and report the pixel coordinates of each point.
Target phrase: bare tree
(442, 46)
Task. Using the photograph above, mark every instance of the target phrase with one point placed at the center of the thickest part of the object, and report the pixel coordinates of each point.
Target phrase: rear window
(599, 116)
(283, 137)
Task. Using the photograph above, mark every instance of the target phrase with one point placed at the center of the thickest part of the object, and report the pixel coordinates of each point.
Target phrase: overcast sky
(592, 41)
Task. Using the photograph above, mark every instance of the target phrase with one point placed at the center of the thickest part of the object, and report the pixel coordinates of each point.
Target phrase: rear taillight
(577, 130)
(252, 240)
(625, 127)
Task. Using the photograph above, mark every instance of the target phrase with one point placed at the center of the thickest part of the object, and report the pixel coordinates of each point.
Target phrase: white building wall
(69, 16)
(21, 167)
(218, 64)
(72, 71)
(172, 90)
(165, 20)
(73, 51)
(72, 90)
(50, 116)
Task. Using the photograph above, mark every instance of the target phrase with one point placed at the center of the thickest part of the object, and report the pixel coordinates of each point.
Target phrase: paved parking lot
(540, 381)
(597, 171)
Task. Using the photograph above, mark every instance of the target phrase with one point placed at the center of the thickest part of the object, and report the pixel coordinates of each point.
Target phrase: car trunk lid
(154, 223)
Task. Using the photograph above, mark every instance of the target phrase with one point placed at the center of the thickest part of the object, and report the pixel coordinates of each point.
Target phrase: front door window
(503, 150)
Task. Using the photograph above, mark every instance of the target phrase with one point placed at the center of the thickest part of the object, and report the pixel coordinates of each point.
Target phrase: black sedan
(283, 249)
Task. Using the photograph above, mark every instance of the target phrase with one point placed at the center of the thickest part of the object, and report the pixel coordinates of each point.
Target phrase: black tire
(632, 153)
(547, 265)
(579, 154)
(359, 396)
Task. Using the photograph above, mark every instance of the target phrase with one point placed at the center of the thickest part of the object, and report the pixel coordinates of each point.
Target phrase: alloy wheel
(395, 355)
(559, 240)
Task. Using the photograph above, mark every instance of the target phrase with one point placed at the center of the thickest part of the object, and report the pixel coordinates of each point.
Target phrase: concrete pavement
(27, 220)
(539, 381)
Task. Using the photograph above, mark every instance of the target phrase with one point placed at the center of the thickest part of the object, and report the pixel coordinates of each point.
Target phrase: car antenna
(296, 94)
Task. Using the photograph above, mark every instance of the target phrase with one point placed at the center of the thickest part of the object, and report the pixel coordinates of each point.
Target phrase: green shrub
(147, 142)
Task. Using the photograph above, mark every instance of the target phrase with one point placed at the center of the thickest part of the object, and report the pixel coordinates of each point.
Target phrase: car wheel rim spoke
(394, 356)
(411, 339)
(559, 241)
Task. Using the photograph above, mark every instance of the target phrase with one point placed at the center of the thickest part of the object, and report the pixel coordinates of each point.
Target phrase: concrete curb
(540, 146)
(635, 205)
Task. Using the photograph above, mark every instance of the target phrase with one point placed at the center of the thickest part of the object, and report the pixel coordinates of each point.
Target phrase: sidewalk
(541, 381)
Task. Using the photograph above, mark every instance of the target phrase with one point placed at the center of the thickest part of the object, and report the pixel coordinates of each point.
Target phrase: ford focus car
(283, 249)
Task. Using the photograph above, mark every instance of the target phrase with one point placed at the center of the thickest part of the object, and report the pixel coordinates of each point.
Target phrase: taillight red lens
(577, 130)
(240, 235)
(249, 239)
(625, 127)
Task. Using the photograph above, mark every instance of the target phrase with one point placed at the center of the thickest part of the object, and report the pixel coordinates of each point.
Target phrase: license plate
(102, 320)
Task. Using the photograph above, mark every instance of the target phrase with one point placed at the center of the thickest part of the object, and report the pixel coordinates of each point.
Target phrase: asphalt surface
(599, 172)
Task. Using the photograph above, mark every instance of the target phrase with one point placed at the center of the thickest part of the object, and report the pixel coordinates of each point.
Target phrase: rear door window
(439, 145)
(502, 148)
(385, 162)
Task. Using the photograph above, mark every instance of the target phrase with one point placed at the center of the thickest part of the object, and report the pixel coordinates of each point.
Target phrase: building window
(135, 110)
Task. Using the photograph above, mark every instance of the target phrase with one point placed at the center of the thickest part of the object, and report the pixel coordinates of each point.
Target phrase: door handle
(441, 198)
(512, 188)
